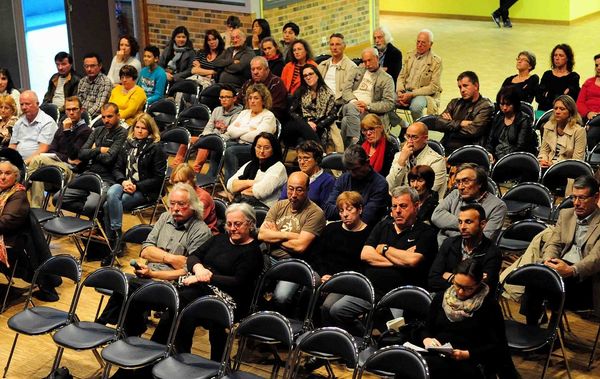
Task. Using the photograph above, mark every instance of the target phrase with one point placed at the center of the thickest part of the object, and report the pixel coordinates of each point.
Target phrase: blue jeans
(417, 105)
(116, 202)
(236, 155)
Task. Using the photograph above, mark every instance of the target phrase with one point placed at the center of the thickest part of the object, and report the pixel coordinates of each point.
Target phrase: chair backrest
(530, 192)
(52, 175)
(518, 167)
(15, 158)
(546, 281)
(194, 118)
(527, 108)
(567, 202)
(62, 265)
(330, 342)
(137, 234)
(190, 87)
(333, 161)
(87, 182)
(210, 96)
(267, 324)
(593, 156)
(470, 154)
(157, 296)
(557, 176)
(428, 120)
(396, 360)
(412, 299)
(523, 230)
(261, 213)
(220, 208)
(106, 278)
(437, 147)
(51, 110)
(173, 138)
(212, 142)
(539, 124)
(350, 283)
(322, 58)
(164, 113)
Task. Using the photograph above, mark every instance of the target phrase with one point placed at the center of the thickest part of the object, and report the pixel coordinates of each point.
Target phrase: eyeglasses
(235, 224)
(368, 130)
(464, 181)
(308, 75)
(90, 65)
(71, 109)
(465, 288)
(225, 97)
(411, 137)
(180, 204)
(581, 198)
(304, 159)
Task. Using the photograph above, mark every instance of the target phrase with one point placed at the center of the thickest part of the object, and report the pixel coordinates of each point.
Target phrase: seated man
(359, 177)
(390, 58)
(471, 187)
(338, 68)
(415, 151)
(368, 90)
(418, 84)
(64, 149)
(64, 83)
(259, 68)
(94, 89)
(153, 78)
(398, 252)
(470, 244)
(234, 62)
(465, 121)
(34, 130)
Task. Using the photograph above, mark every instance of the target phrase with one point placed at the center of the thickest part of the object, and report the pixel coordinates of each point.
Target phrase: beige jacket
(428, 79)
(576, 143)
(398, 176)
(345, 69)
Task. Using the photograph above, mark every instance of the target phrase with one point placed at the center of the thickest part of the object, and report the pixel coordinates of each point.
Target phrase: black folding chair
(593, 156)
(185, 93)
(437, 147)
(220, 208)
(518, 236)
(333, 161)
(193, 119)
(557, 176)
(210, 96)
(216, 145)
(395, 361)
(53, 178)
(164, 113)
(517, 168)
(528, 200)
(51, 110)
(470, 154)
(544, 118)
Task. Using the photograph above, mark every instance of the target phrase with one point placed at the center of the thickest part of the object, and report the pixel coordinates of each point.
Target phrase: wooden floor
(463, 45)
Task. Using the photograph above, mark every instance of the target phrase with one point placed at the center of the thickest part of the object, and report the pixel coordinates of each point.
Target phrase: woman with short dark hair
(204, 72)
(128, 49)
(525, 82)
(421, 178)
(128, 96)
(178, 55)
(560, 80)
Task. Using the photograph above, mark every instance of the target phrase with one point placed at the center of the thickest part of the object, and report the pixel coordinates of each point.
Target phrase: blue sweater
(153, 83)
(318, 191)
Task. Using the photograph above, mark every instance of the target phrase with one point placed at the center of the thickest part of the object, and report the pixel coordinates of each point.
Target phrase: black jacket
(520, 136)
(392, 61)
(70, 87)
(103, 163)
(184, 64)
(152, 163)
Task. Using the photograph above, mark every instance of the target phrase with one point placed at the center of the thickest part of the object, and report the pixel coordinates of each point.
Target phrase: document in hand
(445, 349)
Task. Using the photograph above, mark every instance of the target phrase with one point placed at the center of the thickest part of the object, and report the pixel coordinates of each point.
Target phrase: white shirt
(364, 92)
(59, 93)
(330, 77)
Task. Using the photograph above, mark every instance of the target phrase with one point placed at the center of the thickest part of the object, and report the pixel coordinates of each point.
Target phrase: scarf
(4, 196)
(135, 148)
(377, 158)
(255, 165)
(456, 309)
(178, 53)
(273, 58)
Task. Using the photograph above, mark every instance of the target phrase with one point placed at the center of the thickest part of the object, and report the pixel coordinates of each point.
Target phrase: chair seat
(524, 337)
(67, 225)
(514, 206)
(133, 352)
(37, 320)
(513, 244)
(84, 335)
(42, 215)
(366, 353)
(541, 212)
(186, 366)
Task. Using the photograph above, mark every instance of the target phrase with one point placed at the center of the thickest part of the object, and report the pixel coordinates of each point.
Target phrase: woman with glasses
(525, 82)
(259, 181)
(468, 317)
(301, 54)
(377, 144)
(421, 178)
(310, 155)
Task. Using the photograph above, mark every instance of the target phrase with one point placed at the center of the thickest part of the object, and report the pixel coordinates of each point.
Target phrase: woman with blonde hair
(8, 117)
(377, 144)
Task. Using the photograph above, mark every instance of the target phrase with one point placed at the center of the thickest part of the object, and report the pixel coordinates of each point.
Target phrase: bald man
(34, 130)
(415, 151)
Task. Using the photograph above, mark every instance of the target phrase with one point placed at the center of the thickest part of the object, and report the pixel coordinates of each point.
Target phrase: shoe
(48, 295)
(507, 23)
(496, 18)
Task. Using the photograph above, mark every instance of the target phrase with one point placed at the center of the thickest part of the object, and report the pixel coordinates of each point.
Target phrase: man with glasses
(471, 188)
(414, 152)
(94, 89)
(259, 69)
(64, 149)
(234, 62)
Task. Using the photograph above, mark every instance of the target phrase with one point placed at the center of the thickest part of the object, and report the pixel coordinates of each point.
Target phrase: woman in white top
(256, 118)
(259, 181)
(128, 49)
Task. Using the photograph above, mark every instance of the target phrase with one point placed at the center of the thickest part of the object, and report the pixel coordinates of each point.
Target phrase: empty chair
(470, 154)
(215, 145)
(529, 200)
(51, 110)
(185, 93)
(518, 236)
(53, 178)
(210, 96)
(395, 360)
(211, 309)
(437, 147)
(333, 161)
(164, 113)
(193, 119)
(38, 320)
(557, 176)
(516, 167)
(593, 156)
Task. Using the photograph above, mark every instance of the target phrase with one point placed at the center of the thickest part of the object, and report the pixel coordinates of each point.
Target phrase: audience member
(560, 80)
(8, 118)
(511, 129)
(270, 50)
(126, 55)
(301, 55)
(234, 62)
(259, 181)
(563, 137)
(588, 103)
(465, 121)
(153, 78)
(260, 30)
(338, 68)
(178, 55)
(7, 87)
(261, 74)
(422, 179)
(390, 58)
(290, 31)
(501, 14)
(129, 97)
(525, 82)
(203, 70)
(369, 90)
(253, 120)
(398, 252)
(471, 188)
(470, 244)
(313, 111)
(309, 155)
(232, 23)
(416, 151)
(359, 177)
(34, 130)
(64, 149)
(377, 144)
(94, 89)
(418, 85)
(64, 83)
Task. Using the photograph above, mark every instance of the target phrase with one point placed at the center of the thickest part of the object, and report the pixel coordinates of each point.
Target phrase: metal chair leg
(57, 358)
(589, 367)
(564, 353)
(12, 350)
(106, 370)
(10, 283)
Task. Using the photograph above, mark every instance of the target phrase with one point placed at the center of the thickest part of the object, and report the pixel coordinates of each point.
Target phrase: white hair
(195, 203)
(429, 33)
(387, 36)
(371, 50)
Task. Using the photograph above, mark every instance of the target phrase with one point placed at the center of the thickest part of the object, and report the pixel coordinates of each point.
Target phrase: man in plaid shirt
(94, 89)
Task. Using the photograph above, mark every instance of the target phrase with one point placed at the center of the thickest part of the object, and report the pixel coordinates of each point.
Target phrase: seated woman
(309, 155)
(138, 171)
(260, 30)
(563, 137)
(561, 80)
(256, 118)
(128, 49)
(524, 82)
(471, 321)
(7, 87)
(313, 110)
(301, 54)
(184, 173)
(203, 71)
(377, 145)
(421, 178)
(271, 52)
(129, 97)
(588, 103)
(227, 265)
(178, 55)
(8, 117)
(259, 181)
(511, 129)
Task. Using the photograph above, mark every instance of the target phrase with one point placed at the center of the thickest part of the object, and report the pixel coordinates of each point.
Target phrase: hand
(466, 123)
(544, 163)
(446, 116)
(405, 98)
(362, 106)
(203, 275)
(591, 115)
(407, 150)
(561, 267)
(269, 225)
(325, 278)
(196, 70)
(74, 162)
(67, 123)
(131, 188)
(104, 150)
(566, 91)
(176, 261)
(196, 64)
(120, 56)
(431, 342)
(312, 125)
(460, 355)
(144, 271)
(169, 76)
(411, 249)
(221, 126)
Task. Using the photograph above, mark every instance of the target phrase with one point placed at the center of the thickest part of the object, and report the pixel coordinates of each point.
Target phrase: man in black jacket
(390, 58)
(64, 83)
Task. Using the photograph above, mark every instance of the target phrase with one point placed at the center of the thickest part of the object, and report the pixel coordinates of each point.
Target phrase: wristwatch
(384, 250)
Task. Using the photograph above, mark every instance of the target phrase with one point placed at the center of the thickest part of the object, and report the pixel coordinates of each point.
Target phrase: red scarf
(377, 158)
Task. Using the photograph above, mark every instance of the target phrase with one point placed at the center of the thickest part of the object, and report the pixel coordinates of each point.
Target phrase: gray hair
(246, 210)
(195, 203)
(429, 33)
(263, 61)
(406, 190)
(242, 33)
(13, 168)
(371, 50)
(387, 36)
